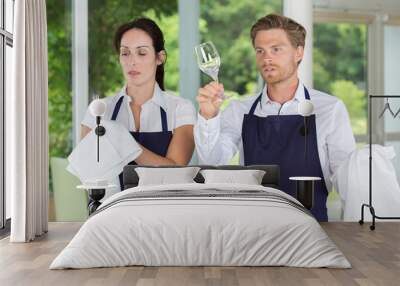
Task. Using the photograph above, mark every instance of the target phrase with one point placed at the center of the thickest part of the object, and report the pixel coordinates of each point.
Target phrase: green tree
(339, 52)
(354, 99)
(228, 26)
(59, 77)
(340, 55)
(321, 74)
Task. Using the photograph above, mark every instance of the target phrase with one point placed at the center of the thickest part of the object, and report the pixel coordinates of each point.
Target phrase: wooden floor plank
(374, 255)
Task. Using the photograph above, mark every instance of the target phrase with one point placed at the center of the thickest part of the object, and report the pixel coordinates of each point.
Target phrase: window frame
(6, 39)
(391, 21)
(375, 77)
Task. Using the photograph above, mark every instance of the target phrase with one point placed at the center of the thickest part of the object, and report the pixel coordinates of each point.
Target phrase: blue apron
(277, 139)
(157, 142)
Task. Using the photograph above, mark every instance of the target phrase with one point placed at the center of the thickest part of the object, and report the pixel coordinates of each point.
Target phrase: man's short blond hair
(295, 32)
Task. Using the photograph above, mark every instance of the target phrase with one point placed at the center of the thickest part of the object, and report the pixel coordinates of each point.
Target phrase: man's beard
(280, 77)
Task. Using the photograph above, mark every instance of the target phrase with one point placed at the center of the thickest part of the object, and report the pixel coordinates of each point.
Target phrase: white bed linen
(200, 231)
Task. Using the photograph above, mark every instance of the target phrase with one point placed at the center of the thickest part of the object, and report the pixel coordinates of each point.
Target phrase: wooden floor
(374, 255)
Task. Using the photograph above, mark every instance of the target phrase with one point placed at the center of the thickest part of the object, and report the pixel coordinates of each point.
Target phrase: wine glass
(208, 60)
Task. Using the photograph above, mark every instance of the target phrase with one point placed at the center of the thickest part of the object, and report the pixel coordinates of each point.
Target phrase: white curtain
(26, 127)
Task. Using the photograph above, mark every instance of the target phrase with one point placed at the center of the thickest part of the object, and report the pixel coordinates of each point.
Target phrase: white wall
(302, 12)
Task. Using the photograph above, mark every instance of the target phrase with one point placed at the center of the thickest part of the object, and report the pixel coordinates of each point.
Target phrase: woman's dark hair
(152, 29)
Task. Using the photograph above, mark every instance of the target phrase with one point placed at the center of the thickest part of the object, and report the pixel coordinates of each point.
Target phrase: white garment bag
(353, 184)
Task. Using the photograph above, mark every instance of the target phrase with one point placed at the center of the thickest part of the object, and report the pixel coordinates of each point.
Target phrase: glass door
(340, 69)
(6, 44)
(392, 87)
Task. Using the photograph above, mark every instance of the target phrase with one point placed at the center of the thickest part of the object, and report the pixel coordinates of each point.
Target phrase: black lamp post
(98, 108)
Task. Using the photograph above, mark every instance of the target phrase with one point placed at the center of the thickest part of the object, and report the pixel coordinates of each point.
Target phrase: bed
(201, 224)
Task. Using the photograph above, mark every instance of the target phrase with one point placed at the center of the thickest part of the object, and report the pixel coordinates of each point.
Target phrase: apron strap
(117, 108)
(307, 95)
(164, 122)
(163, 114)
(253, 107)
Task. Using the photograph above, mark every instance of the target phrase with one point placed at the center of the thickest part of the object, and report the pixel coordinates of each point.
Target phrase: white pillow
(248, 177)
(166, 176)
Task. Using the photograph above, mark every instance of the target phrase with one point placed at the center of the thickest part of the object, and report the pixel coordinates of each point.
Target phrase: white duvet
(208, 230)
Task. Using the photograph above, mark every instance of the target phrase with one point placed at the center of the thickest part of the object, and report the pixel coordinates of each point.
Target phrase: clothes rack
(370, 205)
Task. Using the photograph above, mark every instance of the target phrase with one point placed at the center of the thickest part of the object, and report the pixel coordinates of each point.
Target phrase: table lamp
(305, 185)
(97, 108)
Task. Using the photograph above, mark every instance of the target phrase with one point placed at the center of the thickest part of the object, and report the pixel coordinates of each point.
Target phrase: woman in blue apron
(161, 123)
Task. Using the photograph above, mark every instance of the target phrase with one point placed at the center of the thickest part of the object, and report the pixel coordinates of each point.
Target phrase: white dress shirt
(218, 139)
(180, 111)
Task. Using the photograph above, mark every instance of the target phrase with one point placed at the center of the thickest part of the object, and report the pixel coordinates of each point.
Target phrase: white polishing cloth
(353, 184)
(117, 149)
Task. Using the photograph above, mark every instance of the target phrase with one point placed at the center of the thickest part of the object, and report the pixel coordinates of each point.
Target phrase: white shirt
(180, 111)
(218, 139)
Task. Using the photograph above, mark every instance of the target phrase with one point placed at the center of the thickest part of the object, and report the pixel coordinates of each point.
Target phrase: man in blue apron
(266, 128)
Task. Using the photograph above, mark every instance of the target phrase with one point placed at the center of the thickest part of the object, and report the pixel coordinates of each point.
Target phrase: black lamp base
(100, 130)
(95, 195)
(305, 193)
(305, 190)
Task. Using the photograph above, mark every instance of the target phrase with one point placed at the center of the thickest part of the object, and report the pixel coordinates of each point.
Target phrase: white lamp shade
(305, 108)
(97, 107)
